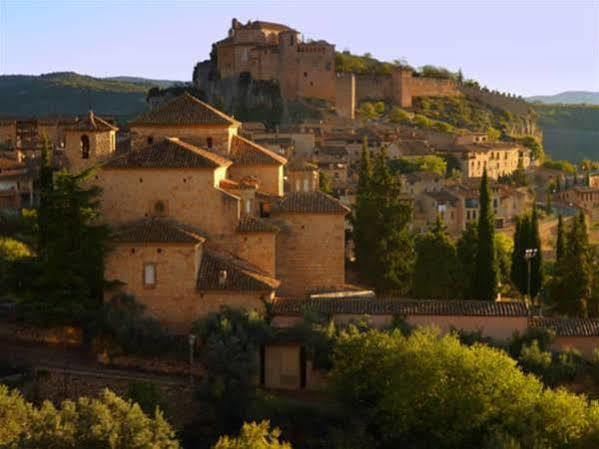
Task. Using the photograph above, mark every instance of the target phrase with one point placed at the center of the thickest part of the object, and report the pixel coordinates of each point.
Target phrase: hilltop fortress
(267, 51)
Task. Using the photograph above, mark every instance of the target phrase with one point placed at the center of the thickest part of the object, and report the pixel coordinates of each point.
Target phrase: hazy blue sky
(526, 47)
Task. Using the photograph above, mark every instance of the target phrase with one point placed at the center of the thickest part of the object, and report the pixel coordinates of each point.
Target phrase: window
(159, 208)
(248, 206)
(149, 274)
(297, 185)
(84, 147)
(305, 74)
(306, 185)
(150, 140)
(209, 142)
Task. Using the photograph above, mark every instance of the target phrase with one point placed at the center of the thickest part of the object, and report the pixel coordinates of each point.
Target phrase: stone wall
(189, 196)
(56, 387)
(433, 87)
(15, 332)
(269, 176)
(198, 135)
(170, 299)
(257, 248)
(102, 145)
(373, 87)
(310, 252)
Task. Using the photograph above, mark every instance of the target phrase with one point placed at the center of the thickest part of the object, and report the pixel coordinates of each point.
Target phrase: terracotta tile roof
(168, 153)
(310, 203)
(240, 274)
(396, 306)
(300, 164)
(245, 152)
(568, 327)
(184, 110)
(157, 230)
(91, 123)
(253, 224)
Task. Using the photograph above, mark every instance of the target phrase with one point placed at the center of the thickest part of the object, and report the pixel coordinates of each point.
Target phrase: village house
(16, 182)
(498, 158)
(583, 198)
(457, 204)
(201, 216)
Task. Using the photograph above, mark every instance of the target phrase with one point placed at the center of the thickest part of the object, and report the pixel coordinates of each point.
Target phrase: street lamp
(529, 254)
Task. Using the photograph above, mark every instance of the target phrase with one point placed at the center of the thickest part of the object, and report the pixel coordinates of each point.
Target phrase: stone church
(200, 216)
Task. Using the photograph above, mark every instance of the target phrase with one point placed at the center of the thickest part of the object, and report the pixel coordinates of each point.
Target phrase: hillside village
(208, 211)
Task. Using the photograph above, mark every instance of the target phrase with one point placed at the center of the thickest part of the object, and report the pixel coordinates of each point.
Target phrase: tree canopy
(104, 423)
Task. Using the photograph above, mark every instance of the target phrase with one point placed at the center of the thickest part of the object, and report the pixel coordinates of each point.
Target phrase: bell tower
(89, 141)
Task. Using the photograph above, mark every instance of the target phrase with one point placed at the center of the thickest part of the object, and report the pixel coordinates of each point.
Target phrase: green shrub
(147, 395)
(426, 390)
(122, 325)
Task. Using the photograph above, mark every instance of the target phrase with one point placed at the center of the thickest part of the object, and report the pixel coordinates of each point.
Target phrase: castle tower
(288, 63)
(401, 85)
(345, 95)
(89, 141)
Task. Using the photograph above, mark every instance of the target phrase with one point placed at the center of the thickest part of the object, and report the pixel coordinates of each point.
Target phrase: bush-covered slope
(70, 93)
(570, 132)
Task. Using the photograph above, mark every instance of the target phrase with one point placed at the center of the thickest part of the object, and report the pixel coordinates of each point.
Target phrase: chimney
(222, 277)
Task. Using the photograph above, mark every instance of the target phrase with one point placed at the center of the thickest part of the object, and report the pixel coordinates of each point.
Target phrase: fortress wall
(316, 72)
(433, 87)
(512, 104)
(373, 87)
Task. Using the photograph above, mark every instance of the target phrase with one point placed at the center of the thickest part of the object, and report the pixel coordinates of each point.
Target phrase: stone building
(457, 204)
(500, 158)
(271, 51)
(201, 216)
(268, 51)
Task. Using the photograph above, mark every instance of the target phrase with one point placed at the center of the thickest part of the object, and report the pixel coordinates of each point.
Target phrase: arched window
(209, 142)
(85, 146)
(150, 140)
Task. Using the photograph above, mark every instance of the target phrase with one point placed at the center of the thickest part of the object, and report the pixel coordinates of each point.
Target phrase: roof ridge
(217, 159)
(212, 108)
(266, 151)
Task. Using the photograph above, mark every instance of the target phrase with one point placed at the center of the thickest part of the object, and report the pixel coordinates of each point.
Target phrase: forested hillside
(68, 93)
(570, 132)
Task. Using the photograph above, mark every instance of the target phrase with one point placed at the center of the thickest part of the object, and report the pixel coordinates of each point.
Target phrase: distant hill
(69, 93)
(570, 131)
(571, 97)
(145, 81)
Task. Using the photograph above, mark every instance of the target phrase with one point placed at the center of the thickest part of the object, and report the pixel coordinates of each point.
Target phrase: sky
(524, 47)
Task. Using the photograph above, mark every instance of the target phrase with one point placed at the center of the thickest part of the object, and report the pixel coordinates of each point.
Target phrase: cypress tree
(467, 247)
(487, 273)
(558, 184)
(45, 190)
(561, 242)
(536, 264)
(572, 287)
(515, 269)
(435, 253)
(393, 248)
(364, 214)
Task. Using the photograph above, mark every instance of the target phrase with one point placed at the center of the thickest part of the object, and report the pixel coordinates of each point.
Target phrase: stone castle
(275, 52)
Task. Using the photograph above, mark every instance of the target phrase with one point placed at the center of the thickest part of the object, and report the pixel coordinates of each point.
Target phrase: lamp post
(191, 340)
(529, 253)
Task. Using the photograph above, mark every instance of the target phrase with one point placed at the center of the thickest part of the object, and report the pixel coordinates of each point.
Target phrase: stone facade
(275, 52)
(270, 51)
(200, 216)
(310, 252)
(500, 159)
